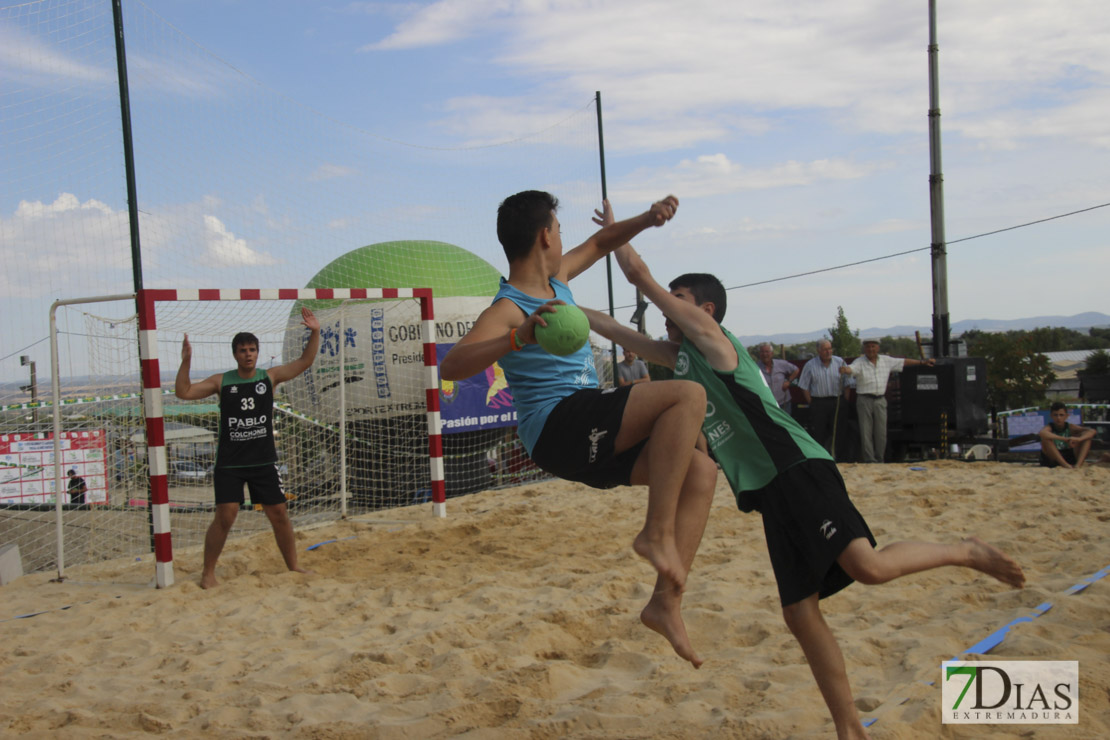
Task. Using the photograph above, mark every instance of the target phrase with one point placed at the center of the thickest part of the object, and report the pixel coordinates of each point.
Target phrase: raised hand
(663, 211)
(309, 319)
(604, 217)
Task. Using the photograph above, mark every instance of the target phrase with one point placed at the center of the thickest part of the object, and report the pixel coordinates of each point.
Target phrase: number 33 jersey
(246, 421)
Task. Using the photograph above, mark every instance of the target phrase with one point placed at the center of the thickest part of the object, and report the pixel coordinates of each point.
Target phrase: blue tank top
(540, 380)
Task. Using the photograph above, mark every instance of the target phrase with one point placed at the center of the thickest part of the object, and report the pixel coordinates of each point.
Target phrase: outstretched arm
(659, 351)
(613, 235)
(696, 323)
(292, 369)
(186, 389)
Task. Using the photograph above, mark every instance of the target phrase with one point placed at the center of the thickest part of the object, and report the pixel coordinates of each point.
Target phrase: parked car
(189, 472)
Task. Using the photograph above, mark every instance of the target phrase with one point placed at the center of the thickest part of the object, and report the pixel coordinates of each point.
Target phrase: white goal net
(358, 431)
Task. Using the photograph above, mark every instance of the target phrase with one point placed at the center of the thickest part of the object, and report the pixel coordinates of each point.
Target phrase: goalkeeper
(246, 452)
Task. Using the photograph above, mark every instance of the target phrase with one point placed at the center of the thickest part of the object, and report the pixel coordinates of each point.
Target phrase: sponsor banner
(27, 466)
(373, 352)
(479, 402)
(1011, 692)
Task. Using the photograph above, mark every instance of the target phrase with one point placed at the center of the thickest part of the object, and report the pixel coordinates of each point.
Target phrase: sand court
(517, 616)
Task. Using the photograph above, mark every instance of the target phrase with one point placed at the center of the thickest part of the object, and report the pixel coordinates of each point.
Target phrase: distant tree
(1017, 375)
(800, 352)
(1098, 363)
(845, 343)
(899, 347)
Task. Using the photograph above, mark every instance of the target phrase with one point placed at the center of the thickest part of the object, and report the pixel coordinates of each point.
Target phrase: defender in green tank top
(246, 454)
(817, 540)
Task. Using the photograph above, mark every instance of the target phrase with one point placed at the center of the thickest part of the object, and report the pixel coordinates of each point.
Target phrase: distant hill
(1079, 322)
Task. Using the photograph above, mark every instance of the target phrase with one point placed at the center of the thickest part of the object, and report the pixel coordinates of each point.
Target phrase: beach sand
(517, 616)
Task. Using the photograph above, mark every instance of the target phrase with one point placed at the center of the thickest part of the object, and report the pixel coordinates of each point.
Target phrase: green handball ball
(566, 331)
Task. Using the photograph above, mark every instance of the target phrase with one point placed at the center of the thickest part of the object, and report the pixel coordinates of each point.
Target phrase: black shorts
(578, 438)
(809, 520)
(1067, 453)
(263, 481)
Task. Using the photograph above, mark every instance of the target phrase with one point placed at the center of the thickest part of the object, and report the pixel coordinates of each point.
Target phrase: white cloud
(706, 70)
(715, 174)
(30, 61)
(66, 248)
(442, 22)
(224, 249)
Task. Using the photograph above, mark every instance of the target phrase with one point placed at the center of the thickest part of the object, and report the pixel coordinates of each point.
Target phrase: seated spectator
(1063, 444)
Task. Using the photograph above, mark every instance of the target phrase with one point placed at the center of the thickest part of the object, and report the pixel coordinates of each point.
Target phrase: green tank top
(752, 438)
(1062, 444)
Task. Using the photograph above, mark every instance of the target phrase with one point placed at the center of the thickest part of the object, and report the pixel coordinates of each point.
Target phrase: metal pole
(941, 322)
(132, 197)
(56, 413)
(608, 257)
(343, 493)
(128, 149)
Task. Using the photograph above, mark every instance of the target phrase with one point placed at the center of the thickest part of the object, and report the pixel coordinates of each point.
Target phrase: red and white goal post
(356, 417)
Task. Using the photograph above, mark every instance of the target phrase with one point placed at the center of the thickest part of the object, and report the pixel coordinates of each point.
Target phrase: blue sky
(795, 135)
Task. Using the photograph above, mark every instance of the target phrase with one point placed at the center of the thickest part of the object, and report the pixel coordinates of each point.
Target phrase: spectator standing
(76, 487)
(822, 385)
(779, 374)
(872, 373)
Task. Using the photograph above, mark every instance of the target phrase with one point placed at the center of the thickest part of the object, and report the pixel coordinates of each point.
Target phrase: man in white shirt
(872, 371)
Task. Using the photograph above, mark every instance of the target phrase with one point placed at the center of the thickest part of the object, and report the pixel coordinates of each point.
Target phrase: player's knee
(692, 393)
(868, 571)
(799, 615)
(277, 514)
(704, 470)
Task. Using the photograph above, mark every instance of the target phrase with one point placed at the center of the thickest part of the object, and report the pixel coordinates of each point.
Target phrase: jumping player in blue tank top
(644, 434)
(817, 540)
(246, 452)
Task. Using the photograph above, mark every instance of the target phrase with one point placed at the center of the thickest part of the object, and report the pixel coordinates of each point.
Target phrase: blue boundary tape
(994, 639)
(328, 542)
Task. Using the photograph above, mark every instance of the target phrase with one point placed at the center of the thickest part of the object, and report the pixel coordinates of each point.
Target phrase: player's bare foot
(208, 581)
(306, 571)
(662, 615)
(989, 559)
(664, 558)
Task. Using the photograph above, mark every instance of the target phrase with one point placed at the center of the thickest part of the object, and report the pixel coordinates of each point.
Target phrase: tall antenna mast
(938, 249)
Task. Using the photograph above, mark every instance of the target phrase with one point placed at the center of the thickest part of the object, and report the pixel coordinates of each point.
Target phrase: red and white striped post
(155, 438)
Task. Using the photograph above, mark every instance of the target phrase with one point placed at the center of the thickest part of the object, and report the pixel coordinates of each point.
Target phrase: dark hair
(1059, 406)
(704, 287)
(72, 471)
(520, 217)
(243, 338)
